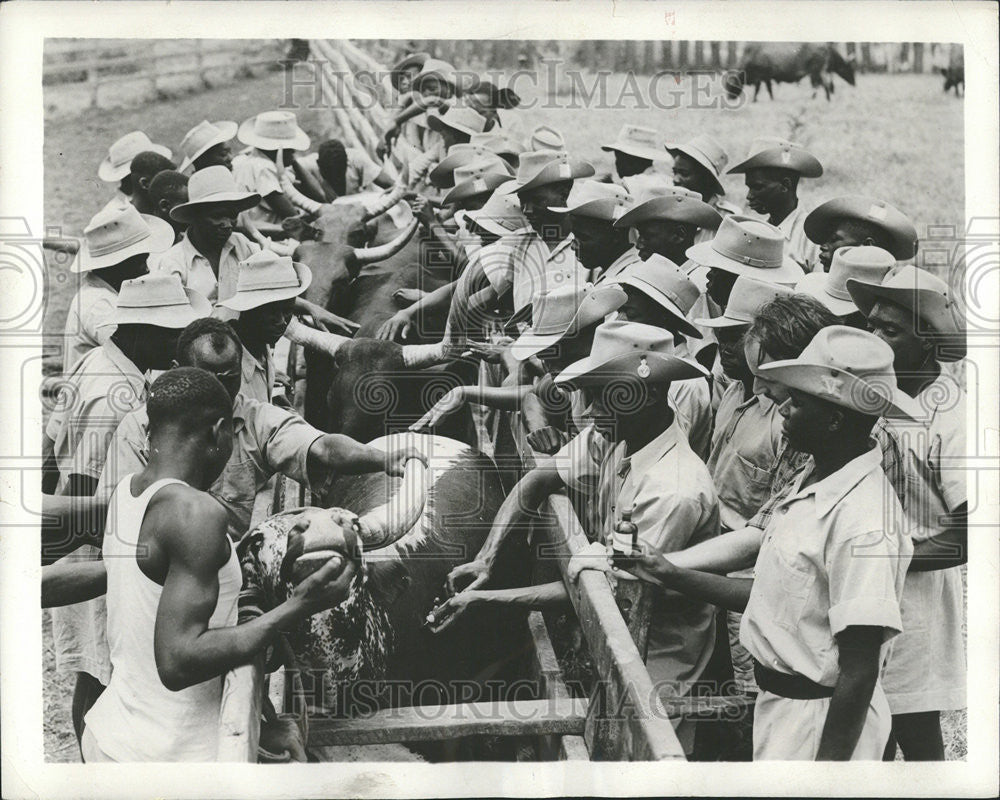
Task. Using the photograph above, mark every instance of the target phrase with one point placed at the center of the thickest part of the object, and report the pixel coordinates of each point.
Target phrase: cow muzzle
(317, 536)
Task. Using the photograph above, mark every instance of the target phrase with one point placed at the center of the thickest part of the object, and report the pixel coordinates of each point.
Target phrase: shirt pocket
(795, 585)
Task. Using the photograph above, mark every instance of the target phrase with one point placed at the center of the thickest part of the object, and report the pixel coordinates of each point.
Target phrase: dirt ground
(892, 136)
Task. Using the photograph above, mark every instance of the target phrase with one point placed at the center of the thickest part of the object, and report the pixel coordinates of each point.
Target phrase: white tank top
(137, 718)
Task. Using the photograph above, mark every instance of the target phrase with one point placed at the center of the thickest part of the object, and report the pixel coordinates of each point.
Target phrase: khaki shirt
(89, 320)
(833, 556)
(267, 440)
(804, 252)
(258, 379)
(101, 389)
(536, 267)
(745, 449)
(692, 402)
(674, 506)
(255, 172)
(196, 272)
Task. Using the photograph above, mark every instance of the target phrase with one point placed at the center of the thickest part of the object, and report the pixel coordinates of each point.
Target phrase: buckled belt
(792, 686)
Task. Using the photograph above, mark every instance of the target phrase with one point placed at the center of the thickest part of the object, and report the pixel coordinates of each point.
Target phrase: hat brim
(865, 397)
(161, 237)
(109, 173)
(463, 191)
(551, 173)
(412, 60)
(676, 314)
(805, 164)
(788, 273)
(242, 201)
(244, 301)
(935, 314)
(722, 322)
(227, 132)
(603, 209)
(662, 369)
(706, 218)
(173, 317)
(605, 299)
(246, 134)
(814, 285)
(435, 122)
(490, 223)
(636, 150)
(820, 222)
(702, 160)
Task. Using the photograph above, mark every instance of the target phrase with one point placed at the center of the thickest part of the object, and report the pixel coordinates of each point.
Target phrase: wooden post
(716, 60)
(918, 56)
(732, 61)
(667, 56)
(683, 50)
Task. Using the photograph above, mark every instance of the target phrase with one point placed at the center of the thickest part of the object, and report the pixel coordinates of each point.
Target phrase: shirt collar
(833, 488)
(786, 225)
(250, 365)
(239, 413)
(561, 246)
(123, 362)
(645, 458)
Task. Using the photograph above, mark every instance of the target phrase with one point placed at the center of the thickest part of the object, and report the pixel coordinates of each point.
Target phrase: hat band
(735, 255)
(157, 303)
(838, 292)
(671, 296)
(121, 244)
(263, 285)
(212, 196)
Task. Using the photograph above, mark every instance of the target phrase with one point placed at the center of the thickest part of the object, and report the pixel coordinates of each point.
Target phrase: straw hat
(119, 232)
(542, 167)
(780, 154)
(823, 219)
(663, 281)
(118, 162)
(564, 311)
(749, 295)
(265, 277)
(273, 130)
(443, 175)
(631, 348)
(747, 246)
(544, 137)
(159, 299)
(589, 198)
(673, 203)
(204, 136)
(212, 186)
(705, 150)
(864, 264)
(848, 367)
(638, 141)
(472, 180)
(459, 118)
(501, 215)
(925, 295)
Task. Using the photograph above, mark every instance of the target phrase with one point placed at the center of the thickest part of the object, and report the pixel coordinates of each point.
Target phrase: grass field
(896, 137)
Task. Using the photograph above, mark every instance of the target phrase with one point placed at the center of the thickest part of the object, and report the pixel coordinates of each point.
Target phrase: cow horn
(295, 197)
(313, 339)
(370, 255)
(386, 524)
(385, 202)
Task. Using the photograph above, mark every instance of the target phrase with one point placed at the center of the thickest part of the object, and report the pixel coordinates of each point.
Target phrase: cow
(954, 73)
(778, 62)
(374, 650)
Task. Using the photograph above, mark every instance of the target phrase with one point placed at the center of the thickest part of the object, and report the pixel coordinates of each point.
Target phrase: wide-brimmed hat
(848, 367)
(501, 215)
(822, 221)
(116, 233)
(497, 142)
(542, 167)
(204, 136)
(705, 150)
(459, 155)
(868, 265)
(748, 296)
(476, 178)
(564, 311)
(544, 137)
(213, 186)
(780, 154)
(638, 141)
(631, 348)
(925, 295)
(118, 162)
(747, 246)
(265, 277)
(412, 60)
(445, 72)
(458, 118)
(159, 299)
(673, 203)
(501, 95)
(273, 130)
(663, 281)
(603, 201)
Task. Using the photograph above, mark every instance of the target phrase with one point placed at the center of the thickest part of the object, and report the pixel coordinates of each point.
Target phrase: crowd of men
(775, 400)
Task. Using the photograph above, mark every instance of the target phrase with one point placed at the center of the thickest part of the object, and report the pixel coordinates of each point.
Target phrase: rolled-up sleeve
(862, 578)
(284, 439)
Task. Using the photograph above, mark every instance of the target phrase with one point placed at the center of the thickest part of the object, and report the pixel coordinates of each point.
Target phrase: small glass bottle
(625, 540)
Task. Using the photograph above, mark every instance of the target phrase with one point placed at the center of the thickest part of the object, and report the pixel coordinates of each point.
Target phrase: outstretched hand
(477, 570)
(450, 610)
(451, 402)
(397, 328)
(395, 461)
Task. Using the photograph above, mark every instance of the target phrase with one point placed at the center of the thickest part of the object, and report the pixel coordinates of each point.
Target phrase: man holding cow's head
(772, 172)
(854, 221)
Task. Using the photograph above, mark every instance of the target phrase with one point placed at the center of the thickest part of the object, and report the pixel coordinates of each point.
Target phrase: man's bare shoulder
(189, 522)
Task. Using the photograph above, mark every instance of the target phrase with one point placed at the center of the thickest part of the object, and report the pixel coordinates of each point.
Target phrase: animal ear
(388, 580)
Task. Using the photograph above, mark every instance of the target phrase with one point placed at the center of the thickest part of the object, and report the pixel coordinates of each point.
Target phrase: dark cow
(954, 73)
(777, 62)
(435, 519)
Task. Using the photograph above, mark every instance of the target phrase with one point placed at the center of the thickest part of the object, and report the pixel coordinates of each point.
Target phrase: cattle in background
(776, 62)
(954, 73)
